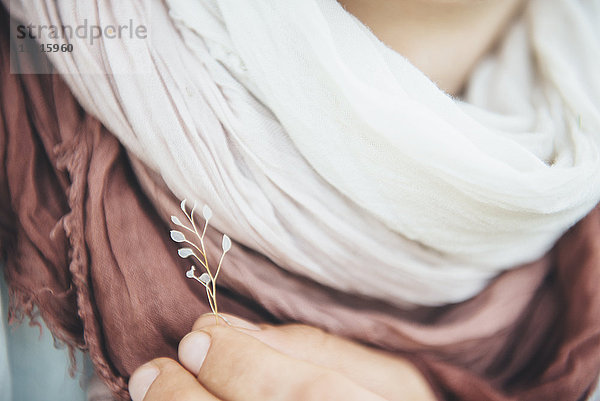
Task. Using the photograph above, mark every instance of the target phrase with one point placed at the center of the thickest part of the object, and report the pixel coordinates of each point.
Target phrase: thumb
(164, 379)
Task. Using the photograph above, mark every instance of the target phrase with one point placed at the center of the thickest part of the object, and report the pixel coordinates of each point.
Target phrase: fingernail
(239, 323)
(141, 380)
(208, 319)
(193, 349)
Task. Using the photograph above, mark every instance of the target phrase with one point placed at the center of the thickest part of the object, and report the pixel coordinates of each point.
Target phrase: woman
(369, 201)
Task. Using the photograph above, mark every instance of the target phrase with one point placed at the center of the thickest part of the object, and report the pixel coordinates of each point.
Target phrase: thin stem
(204, 284)
(209, 294)
(193, 210)
(209, 300)
(198, 259)
(205, 264)
(191, 218)
(201, 237)
(194, 245)
(188, 216)
(214, 291)
(204, 229)
(219, 266)
(214, 301)
(195, 231)
(187, 228)
(205, 259)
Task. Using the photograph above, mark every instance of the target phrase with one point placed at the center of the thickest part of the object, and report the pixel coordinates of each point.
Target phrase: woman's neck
(443, 38)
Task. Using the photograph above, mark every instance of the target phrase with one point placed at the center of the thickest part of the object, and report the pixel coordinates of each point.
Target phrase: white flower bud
(185, 252)
(205, 278)
(226, 245)
(206, 213)
(177, 236)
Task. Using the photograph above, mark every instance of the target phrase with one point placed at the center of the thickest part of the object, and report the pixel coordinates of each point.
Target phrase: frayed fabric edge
(23, 305)
(74, 158)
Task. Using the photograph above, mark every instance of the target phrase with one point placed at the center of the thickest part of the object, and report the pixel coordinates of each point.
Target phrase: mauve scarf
(322, 149)
(84, 233)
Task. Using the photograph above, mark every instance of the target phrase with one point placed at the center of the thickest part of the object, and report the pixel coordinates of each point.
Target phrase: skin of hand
(244, 362)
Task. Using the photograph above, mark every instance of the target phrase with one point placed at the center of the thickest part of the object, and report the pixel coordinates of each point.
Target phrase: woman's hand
(244, 362)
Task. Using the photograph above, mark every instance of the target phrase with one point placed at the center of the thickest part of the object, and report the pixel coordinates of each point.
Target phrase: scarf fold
(325, 151)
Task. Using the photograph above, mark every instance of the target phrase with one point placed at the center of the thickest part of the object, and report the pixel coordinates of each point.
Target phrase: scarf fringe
(74, 158)
(22, 305)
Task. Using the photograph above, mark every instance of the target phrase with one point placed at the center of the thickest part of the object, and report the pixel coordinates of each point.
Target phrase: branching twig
(207, 279)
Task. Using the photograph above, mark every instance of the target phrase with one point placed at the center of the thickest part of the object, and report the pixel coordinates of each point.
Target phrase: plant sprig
(207, 278)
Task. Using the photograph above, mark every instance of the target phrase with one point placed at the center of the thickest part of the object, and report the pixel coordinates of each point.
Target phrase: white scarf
(332, 155)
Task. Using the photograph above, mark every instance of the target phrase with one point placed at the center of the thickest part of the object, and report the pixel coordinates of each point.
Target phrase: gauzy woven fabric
(327, 152)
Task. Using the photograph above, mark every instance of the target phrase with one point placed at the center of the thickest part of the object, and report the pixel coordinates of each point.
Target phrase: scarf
(329, 153)
(83, 224)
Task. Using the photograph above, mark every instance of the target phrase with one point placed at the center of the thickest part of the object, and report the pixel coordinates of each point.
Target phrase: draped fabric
(84, 231)
(329, 153)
